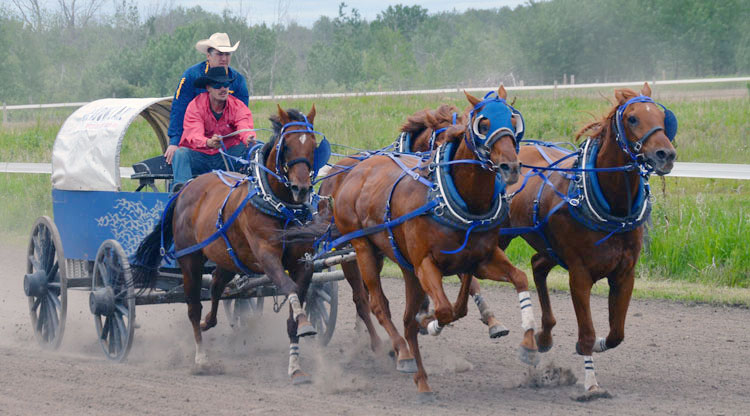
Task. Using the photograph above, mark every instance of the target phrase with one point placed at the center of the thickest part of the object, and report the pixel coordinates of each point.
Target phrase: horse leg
(302, 276)
(580, 291)
(369, 268)
(414, 297)
(220, 279)
(192, 268)
(269, 258)
(541, 265)
(431, 279)
(499, 268)
(460, 307)
(620, 290)
(496, 329)
(359, 296)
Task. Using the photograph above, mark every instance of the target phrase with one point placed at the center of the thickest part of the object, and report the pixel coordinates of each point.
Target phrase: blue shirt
(185, 93)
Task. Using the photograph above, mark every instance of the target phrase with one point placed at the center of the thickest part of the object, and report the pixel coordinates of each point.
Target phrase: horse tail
(145, 261)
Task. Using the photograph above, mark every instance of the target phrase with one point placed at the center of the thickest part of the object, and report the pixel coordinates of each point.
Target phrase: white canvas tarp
(86, 153)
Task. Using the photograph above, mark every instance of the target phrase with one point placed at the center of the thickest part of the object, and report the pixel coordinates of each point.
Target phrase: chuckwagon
(97, 225)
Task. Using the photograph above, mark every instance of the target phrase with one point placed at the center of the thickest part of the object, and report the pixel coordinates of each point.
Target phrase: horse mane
(417, 123)
(599, 127)
(276, 124)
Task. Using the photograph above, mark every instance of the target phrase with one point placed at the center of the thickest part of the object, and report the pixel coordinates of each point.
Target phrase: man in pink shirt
(209, 119)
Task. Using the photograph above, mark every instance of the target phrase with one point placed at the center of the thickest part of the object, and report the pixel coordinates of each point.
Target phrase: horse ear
(311, 114)
(620, 96)
(501, 92)
(283, 116)
(472, 99)
(646, 90)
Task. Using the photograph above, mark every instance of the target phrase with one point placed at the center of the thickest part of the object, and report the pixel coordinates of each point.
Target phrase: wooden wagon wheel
(321, 307)
(112, 301)
(45, 283)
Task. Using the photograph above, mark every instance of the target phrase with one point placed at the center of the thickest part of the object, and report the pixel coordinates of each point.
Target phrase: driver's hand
(169, 153)
(214, 141)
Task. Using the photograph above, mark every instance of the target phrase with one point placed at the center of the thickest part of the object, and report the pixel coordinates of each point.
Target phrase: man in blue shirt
(218, 52)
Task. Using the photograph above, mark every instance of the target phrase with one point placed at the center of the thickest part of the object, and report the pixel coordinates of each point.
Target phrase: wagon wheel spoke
(52, 273)
(53, 320)
(55, 301)
(35, 306)
(41, 315)
(121, 309)
(34, 262)
(112, 336)
(105, 328)
(120, 333)
(103, 273)
(324, 295)
(49, 251)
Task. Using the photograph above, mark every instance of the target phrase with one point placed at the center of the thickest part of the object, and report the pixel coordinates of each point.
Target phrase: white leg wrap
(293, 359)
(200, 355)
(296, 306)
(589, 379)
(527, 312)
(434, 328)
(600, 345)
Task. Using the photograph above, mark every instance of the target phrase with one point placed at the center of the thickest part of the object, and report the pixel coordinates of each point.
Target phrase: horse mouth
(510, 172)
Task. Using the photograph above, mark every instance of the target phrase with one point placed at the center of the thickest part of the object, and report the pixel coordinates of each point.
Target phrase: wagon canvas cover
(86, 153)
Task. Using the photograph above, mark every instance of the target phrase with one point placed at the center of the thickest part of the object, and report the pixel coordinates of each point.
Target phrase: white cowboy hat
(218, 41)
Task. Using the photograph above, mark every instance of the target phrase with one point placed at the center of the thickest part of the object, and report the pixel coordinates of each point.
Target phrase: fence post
(5, 113)
(554, 91)
(572, 79)
(565, 79)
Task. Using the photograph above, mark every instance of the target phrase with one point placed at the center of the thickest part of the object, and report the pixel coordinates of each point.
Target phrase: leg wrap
(484, 309)
(527, 312)
(296, 306)
(589, 374)
(600, 345)
(293, 359)
(434, 328)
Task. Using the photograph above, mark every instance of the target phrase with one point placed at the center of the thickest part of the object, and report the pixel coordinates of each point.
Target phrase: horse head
(293, 156)
(645, 129)
(493, 131)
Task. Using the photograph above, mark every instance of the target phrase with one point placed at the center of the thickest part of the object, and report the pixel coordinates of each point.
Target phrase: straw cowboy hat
(218, 41)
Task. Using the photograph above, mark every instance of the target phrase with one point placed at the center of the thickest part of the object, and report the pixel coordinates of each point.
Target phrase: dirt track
(676, 359)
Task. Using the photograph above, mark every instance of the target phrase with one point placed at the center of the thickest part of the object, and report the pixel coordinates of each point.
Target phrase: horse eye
(484, 127)
(633, 121)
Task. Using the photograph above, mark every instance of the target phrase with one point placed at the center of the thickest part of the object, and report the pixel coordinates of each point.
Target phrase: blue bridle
(632, 148)
(501, 115)
(320, 156)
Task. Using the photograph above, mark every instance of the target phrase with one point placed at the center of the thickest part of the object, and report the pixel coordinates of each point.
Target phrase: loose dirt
(676, 359)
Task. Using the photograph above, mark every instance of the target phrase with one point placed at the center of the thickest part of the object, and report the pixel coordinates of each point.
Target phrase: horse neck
(619, 188)
(472, 181)
(279, 189)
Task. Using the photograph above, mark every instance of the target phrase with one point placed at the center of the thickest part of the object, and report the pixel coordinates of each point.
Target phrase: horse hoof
(299, 378)
(422, 330)
(408, 366)
(306, 330)
(498, 331)
(542, 348)
(207, 369)
(528, 356)
(593, 394)
(425, 397)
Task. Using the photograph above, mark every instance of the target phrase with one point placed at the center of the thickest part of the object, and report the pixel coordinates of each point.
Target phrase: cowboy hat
(217, 74)
(218, 41)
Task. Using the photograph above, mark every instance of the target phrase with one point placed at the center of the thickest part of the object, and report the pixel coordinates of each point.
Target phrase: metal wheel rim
(321, 306)
(48, 311)
(115, 332)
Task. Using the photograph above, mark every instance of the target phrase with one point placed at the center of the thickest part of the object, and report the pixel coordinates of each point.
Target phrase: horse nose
(510, 171)
(666, 155)
(299, 194)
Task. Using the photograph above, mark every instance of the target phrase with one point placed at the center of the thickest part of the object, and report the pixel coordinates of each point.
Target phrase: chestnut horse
(380, 205)
(424, 132)
(633, 139)
(251, 241)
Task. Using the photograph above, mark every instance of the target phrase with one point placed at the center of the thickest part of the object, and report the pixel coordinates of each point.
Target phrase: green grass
(701, 228)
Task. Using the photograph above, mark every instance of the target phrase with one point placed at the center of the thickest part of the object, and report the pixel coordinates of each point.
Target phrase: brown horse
(588, 254)
(382, 187)
(424, 132)
(253, 236)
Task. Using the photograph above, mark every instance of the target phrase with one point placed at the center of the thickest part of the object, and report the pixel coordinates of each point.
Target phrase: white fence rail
(434, 91)
(681, 169)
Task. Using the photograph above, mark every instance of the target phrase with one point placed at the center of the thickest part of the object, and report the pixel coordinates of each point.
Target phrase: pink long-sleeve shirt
(200, 124)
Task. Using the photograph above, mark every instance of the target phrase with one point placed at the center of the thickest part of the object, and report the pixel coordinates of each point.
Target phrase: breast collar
(589, 206)
(452, 210)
